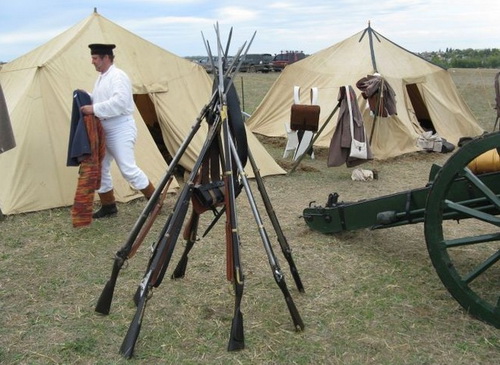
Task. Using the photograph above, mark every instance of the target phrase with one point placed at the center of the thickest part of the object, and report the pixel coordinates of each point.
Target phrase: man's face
(101, 63)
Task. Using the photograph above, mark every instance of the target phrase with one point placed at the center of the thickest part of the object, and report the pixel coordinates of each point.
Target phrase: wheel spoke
(471, 240)
(473, 213)
(478, 270)
(481, 186)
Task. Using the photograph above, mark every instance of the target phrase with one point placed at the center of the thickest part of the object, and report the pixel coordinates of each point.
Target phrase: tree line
(452, 58)
(464, 58)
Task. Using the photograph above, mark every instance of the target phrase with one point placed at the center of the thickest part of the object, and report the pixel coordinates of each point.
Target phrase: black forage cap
(101, 49)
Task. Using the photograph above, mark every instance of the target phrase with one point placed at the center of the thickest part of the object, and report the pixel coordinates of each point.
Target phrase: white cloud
(234, 14)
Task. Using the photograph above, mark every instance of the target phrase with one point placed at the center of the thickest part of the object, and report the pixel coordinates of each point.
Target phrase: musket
(273, 262)
(104, 302)
(163, 249)
(285, 247)
(233, 263)
(234, 272)
(234, 267)
(160, 259)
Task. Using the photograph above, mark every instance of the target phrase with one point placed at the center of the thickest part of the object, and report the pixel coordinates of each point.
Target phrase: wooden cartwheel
(465, 256)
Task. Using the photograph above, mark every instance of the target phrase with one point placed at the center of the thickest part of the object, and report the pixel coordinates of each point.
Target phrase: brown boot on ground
(108, 206)
(148, 190)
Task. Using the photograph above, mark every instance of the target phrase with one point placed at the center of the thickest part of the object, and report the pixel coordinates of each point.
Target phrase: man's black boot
(108, 205)
(109, 210)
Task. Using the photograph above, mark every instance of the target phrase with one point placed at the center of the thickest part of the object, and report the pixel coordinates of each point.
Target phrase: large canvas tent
(169, 92)
(424, 92)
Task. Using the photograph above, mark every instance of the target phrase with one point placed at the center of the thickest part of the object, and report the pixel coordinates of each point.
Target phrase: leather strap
(296, 95)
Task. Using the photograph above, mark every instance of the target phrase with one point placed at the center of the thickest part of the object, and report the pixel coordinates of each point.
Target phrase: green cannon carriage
(467, 264)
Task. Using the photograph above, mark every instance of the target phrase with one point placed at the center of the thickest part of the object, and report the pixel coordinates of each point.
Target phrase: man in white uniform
(113, 104)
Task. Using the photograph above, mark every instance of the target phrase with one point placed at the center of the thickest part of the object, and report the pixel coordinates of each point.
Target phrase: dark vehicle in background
(261, 62)
(206, 64)
(281, 60)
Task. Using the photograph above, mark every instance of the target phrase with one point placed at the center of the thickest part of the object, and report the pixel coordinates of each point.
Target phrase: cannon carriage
(467, 263)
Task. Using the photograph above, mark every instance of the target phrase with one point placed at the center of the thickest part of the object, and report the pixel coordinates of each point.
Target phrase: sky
(280, 25)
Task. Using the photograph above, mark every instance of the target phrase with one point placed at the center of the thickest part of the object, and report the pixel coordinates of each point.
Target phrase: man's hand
(87, 109)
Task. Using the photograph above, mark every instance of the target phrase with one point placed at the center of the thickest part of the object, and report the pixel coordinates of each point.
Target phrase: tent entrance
(148, 113)
(421, 112)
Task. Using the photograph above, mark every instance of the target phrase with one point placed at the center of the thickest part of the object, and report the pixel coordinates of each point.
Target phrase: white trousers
(121, 134)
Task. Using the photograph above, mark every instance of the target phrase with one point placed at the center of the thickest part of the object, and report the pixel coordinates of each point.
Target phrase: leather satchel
(304, 117)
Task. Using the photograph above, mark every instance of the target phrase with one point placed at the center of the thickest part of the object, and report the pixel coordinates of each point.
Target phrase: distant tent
(169, 92)
(425, 94)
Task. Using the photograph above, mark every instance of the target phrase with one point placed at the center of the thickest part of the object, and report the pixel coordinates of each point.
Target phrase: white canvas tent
(423, 91)
(38, 90)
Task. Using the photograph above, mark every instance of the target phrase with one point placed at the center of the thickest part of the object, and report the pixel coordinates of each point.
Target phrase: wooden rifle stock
(128, 344)
(233, 268)
(149, 221)
(237, 336)
(190, 234)
(171, 236)
(229, 234)
(294, 313)
(104, 302)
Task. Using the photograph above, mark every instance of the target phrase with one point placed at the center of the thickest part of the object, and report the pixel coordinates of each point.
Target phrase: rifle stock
(294, 313)
(153, 252)
(104, 302)
(190, 236)
(157, 264)
(237, 337)
(229, 235)
(172, 235)
(128, 344)
(149, 221)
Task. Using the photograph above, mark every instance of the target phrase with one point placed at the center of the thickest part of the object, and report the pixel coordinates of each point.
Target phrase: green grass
(372, 297)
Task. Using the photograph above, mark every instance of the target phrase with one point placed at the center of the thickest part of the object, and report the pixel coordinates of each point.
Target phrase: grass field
(372, 297)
